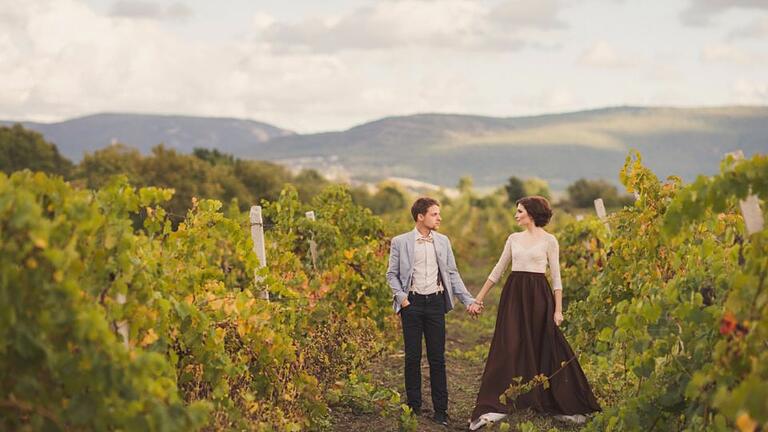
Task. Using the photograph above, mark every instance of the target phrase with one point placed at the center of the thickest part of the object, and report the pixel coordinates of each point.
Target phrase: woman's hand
(558, 318)
(474, 309)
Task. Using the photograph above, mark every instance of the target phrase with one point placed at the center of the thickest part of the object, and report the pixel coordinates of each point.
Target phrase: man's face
(432, 218)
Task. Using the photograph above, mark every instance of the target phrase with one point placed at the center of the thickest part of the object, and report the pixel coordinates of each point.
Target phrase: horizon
(393, 116)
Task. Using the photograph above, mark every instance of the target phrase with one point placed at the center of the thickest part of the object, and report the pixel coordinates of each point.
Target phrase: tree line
(213, 174)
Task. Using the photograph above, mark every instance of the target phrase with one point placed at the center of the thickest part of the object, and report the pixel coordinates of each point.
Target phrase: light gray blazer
(400, 270)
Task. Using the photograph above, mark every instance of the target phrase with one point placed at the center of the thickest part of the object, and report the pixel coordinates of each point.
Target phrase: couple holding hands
(526, 342)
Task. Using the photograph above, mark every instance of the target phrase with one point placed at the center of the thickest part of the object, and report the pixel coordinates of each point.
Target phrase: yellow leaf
(40, 242)
(58, 276)
(31, 263)
(746, 423)
(229, 306)
(349, 253)
(242, 329)
(149, 338)
(215, 304)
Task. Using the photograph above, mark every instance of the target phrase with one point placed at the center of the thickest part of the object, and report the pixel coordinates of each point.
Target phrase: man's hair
(421, 206)
(538, 209)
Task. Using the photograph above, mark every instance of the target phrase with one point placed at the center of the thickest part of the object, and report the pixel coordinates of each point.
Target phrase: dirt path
(467, 343)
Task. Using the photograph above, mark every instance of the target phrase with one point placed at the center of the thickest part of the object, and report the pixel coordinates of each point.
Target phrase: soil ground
(467, 342)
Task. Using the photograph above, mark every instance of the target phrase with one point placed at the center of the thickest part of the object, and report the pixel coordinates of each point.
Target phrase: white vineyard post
(257, 234)
(750, 207)
(600, 209)
(312, 243)
(122, 327)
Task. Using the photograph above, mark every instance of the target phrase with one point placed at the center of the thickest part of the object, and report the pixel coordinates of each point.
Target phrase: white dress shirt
(425, 267)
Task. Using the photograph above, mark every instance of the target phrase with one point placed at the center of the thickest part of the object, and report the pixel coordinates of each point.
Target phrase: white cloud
(541, 14)
(61, 58)
(53, 67)
(750, 92)
(730, 54)
(603, 55)
(758, 28)
(150, 10)
(700, 12)
(450, 24)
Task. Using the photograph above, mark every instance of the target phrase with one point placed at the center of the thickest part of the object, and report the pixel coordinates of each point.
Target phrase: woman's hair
(538, 209)
(421, 206)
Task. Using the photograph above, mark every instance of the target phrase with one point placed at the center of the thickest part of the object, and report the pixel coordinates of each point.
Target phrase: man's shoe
(416, 411)
(441, 417)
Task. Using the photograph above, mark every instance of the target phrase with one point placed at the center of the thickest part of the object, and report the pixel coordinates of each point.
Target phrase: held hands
(475, 308)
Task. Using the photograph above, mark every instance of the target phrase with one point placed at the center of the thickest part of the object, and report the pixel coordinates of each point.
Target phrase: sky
(311, 66)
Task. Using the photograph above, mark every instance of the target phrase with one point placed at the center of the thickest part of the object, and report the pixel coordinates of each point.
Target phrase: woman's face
(522, 217)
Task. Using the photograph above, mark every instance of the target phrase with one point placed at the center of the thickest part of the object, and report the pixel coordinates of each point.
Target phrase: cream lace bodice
(528, 257)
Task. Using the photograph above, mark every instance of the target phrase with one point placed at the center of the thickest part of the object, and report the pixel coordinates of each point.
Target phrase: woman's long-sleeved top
(532, 258)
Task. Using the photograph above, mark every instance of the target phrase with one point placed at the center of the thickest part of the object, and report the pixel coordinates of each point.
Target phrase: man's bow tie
(425, 239)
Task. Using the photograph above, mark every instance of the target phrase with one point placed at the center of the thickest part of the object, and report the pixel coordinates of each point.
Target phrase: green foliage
(478, 231)
(407, 420)
(205, 173)
(583, 193)
(529, 426)
(309, 183)
(204, 350)
(21, 149)
(363, 397)
(213, 157)
(388, 198)
(97, 168)
(61, 366)
(537, 186)
(515, 189)
(649, 296)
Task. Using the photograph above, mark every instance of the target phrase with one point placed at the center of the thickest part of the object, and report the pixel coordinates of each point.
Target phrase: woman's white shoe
(575, 418)
(485, 419)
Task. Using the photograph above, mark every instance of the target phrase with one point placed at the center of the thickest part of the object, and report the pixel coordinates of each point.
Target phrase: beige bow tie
(425, 239)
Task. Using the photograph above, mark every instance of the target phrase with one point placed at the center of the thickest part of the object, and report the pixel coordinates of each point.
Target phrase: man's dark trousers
(425, 315)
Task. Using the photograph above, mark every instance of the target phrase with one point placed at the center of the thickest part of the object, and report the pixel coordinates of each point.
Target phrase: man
(425, 282)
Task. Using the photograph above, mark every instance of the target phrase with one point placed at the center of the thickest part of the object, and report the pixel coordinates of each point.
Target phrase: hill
(440, 148)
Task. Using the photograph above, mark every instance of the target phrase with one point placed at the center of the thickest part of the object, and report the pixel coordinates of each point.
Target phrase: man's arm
(393, 276)
(457, 284)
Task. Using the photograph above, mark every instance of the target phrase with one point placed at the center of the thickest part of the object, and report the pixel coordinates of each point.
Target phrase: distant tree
(214, 157)
(583, 193)
(465, 185)
(188, 175)
(263, 180)
(231, 186)
(96, 168)
(309, 183)
(22, 148)
(537, 186)
(387, 199)
(515, 189)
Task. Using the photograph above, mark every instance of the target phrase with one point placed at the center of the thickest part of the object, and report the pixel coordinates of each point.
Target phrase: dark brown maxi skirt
(526, 342)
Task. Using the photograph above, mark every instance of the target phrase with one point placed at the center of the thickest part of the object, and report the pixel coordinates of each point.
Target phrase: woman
(527, 340)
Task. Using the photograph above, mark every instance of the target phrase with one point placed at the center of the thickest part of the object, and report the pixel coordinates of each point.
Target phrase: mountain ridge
(439, 148)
